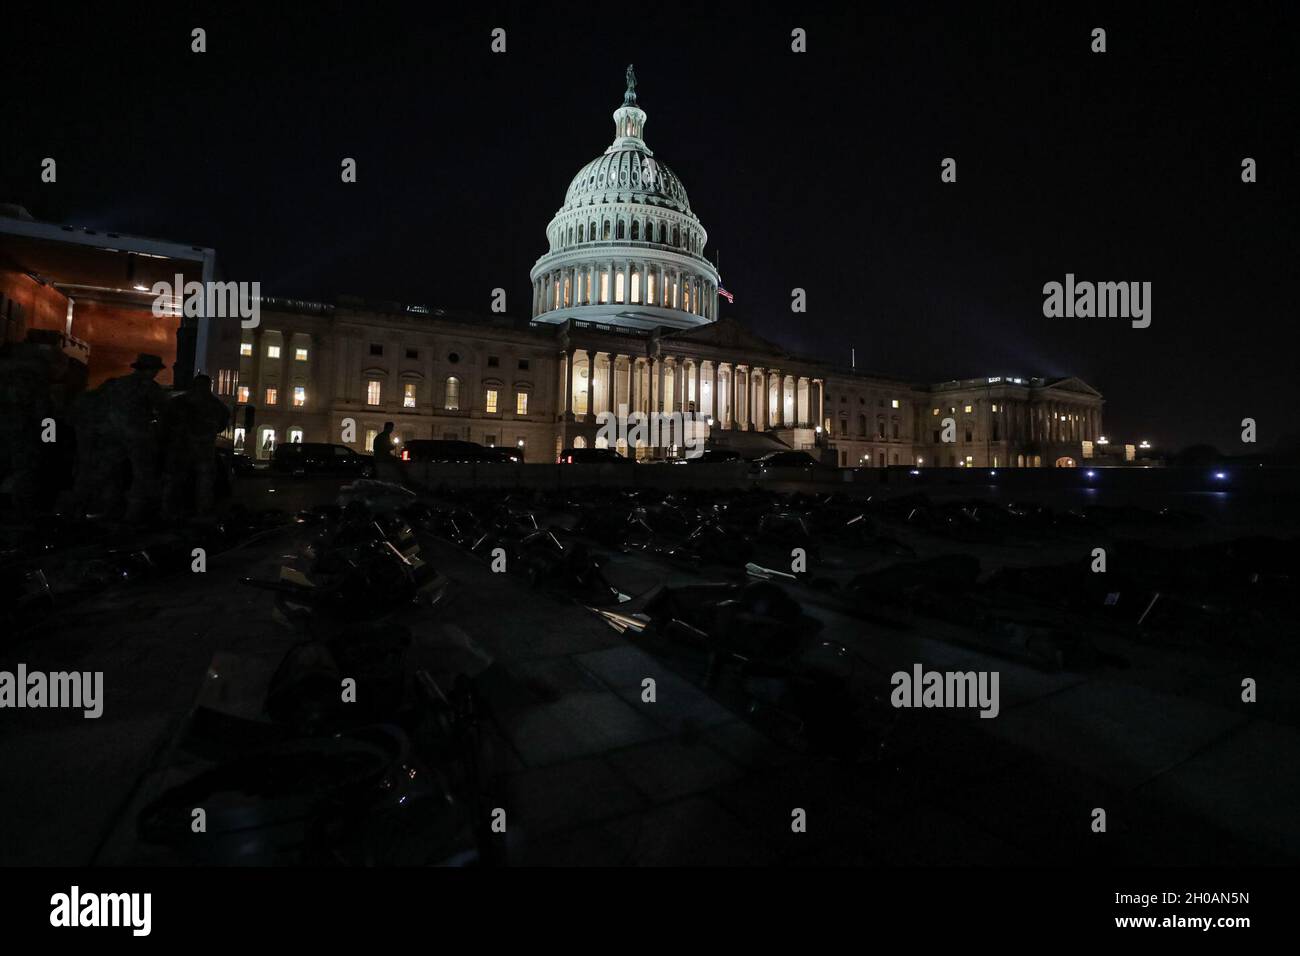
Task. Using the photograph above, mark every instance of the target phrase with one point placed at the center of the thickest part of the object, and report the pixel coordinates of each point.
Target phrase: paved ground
(589, 773)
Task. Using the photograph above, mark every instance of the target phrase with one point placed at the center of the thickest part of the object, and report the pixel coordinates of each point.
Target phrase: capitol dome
(625, 248)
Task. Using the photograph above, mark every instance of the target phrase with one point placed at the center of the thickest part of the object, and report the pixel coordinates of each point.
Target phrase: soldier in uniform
(386, 467)
(130, 408)
(24, 404)
(191, 423)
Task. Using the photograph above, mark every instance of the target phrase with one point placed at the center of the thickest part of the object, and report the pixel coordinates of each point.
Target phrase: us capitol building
(624, 312)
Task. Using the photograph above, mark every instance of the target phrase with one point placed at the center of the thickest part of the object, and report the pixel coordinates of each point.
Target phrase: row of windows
(451, 396)
(271, 395)
(493, 361)
(893, 402)
(654, 230)
(272, 351)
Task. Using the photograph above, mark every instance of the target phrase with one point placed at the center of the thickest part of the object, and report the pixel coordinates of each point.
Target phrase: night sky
(818, 170)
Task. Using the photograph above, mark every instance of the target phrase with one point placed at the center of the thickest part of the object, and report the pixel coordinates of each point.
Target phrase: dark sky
(819, 170)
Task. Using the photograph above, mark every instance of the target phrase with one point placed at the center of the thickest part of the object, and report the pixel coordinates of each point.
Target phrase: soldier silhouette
(191, 423)
(125, 415)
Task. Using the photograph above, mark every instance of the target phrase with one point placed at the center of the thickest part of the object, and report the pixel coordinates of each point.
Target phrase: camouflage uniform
(128, 434)
(191, 423)
(24, 404)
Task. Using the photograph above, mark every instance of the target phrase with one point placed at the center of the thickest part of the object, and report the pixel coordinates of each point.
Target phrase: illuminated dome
(625, 248)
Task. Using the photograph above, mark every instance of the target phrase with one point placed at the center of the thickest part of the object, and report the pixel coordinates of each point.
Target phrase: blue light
(1090, 474)
(915, 472)
(1221, 475)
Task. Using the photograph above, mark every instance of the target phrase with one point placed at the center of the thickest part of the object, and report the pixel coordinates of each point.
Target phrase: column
(591, 380)
(568, 385)
(659, 384)
(610, 381)
(699, 395)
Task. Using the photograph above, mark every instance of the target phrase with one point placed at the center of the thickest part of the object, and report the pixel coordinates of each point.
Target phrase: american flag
(726, 295)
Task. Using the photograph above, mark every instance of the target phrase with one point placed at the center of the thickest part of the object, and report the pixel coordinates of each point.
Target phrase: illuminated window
(995, 407)
(239, 440)
(618, 286)
(453, 394)
(245, 348)
(967, 409)
(295, 436)
(894, 404)
(242, 395)
(268, 440)
(521, 403)
(650, 289)
(636, 287)
(934, 411)
(374, 389)
(604, 285)
(273, 351)
(299, 397)
(491, 400)
(370, 439)
(300, 355)
(408, 395)
(271, 396)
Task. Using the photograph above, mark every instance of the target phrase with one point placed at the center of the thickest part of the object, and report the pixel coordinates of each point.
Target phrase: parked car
(451, 450)
(715, 456)
(302, 459)
(784, 460)
(591, 456)
(241, 464)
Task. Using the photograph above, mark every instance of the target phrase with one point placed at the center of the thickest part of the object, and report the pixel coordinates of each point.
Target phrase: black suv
(591, 456)
(448, 450)
(318, 458)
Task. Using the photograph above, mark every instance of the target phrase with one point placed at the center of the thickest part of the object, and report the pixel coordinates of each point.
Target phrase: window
(226, 379)
(452, 402)
(934, 411)
(618, 287)
(650, 288)
(374, 391)
(413, 353)
(273, 351)
(300, 355)
(491, 401)
(967, 409)
(995, 407)
(299, 397)
(493, 361)
(523, 365)
(239, 440)
(271, 396)
(268, 441)
(241, 395)
(376, 349)
(894, 404)
(370, 439)
(895, 426)
(453, 357)
(245, 348)
(295, 436)
(521, 403)
(408, 395)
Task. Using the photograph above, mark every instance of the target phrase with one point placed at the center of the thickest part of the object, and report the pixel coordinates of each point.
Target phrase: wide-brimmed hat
(146, 361)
